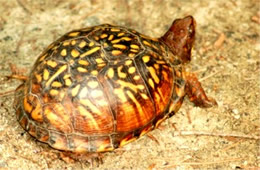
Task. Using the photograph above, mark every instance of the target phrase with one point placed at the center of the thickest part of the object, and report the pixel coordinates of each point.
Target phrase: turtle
(98, 88)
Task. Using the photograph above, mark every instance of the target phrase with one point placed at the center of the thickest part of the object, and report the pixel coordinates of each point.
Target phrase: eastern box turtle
(96, 89)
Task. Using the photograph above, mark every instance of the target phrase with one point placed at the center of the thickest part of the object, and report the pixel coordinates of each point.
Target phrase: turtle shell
(99, 88)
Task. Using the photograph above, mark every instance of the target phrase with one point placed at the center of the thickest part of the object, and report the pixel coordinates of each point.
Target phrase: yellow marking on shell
(89, 116)
(154, 75)
(66, 76)
(99, 60)
(61, 95)
(54, 92)
(136, 77)
(56, 84)
(75, 90)
(120, 46)
(126, 141)
(89, 52)
(51, 63)
(115, 30)
(116, 52)
(144, 96)
(91, 44)
(115, 41)
(94, 72)
(110, 73)
(71, 62)
(128, 62)
(120, 93)
(120, 34)
(74, 53)
(146, 58)
(46, 74)
(146, 130)
(96, 93)
(92, 84)
(56, 74)
(179, 91)
(159, 122)
(66, 43)
(110, 37)
(120, 73)
(83, 62)
(126, 38)
(73, 42)
(90, 105)
(133, 50)
(131, 70)
(38, 77)
(155, 47)
(130, 85)
(104, 148)
(43, 57)
(131, 55)
(134, 46)
(101, 64)
(73, 34)
(105, 45)
(82, 70)
(137, 104)
(147, 43)
(103, 36)
(82, 44)
(83, 93)
(63, 52)
(151, 83)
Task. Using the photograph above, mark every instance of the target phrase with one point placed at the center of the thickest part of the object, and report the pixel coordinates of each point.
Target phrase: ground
(225, 58)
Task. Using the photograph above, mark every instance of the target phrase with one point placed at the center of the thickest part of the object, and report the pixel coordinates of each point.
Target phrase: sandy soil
(225, 57)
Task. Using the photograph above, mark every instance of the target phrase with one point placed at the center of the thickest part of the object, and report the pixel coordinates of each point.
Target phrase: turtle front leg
(196, 93)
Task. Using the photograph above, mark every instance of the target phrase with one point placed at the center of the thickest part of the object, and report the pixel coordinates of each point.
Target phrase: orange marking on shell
(57, 117)
(36, 113)
(88, 116)
(27, 106)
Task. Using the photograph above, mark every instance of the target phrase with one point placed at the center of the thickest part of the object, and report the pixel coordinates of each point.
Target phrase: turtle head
(180, 37)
